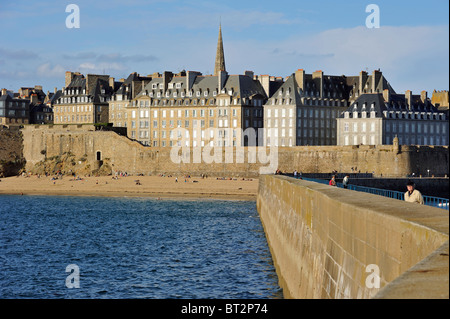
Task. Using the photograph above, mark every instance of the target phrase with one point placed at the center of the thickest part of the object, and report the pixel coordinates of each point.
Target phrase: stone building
(14, 111)
(122, 97)
(192, 106)
(375, 118)
(191, 109)
(40, 111)
(84, 99)
(304, 109)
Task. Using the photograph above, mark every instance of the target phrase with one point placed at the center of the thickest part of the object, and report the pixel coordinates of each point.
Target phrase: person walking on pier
(413, 195)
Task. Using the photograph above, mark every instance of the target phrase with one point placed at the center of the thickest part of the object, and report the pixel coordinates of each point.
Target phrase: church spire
(220, 57)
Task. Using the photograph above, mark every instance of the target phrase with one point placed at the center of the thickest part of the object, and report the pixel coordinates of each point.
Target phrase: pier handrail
(438, 202)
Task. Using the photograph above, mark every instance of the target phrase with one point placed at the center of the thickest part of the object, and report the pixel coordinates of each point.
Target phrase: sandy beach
(144, 186)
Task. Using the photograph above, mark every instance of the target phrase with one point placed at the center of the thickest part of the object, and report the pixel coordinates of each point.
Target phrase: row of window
(301, 123)
(78, 99)
(302, 112)
(180, 102)
(357, 126)
(195, 113)
(13, 113)
(73, 118)
(416, 127)
(78, 108)
(414, 116)
(13, 104)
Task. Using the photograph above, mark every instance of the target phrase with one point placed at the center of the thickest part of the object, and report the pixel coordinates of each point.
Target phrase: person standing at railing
(345, 181)
(413, 195)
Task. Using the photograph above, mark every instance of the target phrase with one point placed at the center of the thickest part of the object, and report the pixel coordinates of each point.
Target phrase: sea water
(98, 247)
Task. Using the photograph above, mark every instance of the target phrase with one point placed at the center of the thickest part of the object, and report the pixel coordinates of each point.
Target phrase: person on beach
(332, 181)
(413, 195)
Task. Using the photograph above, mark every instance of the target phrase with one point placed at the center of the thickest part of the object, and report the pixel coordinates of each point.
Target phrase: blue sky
(268, 37)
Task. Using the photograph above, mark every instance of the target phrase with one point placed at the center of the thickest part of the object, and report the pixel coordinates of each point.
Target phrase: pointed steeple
(220, 56)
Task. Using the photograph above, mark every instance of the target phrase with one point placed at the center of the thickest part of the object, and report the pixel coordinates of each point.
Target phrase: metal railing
(428, 200)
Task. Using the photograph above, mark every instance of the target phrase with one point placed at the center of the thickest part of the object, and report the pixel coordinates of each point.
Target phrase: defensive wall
(329, 242)
(123, 154)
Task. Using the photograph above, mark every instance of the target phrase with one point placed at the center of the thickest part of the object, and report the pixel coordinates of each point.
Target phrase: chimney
(4, 92)
(300, 78)
(376, 77)
(34, 99)
(265, 83)
(386, 95)
(249, 73)
(190, 79)
(424, 96)
(408, 98)
(222, 77)
(56, 90)
(167, 77)
(111, 82)
(319, 75)
(69, 77)
(362, 81)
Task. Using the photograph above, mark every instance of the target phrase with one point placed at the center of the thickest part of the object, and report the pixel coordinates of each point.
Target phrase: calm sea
(133, 248)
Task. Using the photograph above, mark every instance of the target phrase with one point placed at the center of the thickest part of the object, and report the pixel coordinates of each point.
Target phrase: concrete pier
(328, 242)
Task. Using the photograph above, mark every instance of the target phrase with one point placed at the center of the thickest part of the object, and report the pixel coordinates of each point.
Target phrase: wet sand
(150, 186)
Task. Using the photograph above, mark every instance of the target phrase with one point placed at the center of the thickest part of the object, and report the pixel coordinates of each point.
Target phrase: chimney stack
(376, 77)
(69, 77)
(386, 95)
(408, 98)
(4, 92)
(249, 73)
(222, 77)
(319, 75)
(362, 81)
(34, 99)
(265, 83)
(300, 78)
(111, 82)
(424, 96)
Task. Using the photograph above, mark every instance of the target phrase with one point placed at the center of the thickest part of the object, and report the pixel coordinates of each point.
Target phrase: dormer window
(178, 85)
(154, 86)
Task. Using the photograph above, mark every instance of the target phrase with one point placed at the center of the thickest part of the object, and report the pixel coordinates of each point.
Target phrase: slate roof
(375, 102)
(242, 86)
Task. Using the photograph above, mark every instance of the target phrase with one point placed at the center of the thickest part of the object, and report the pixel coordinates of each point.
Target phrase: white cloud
(46, 70)
(413, 58)
(100, 67)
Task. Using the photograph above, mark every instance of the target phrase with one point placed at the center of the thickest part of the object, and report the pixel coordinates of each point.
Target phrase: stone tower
(220, 56)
